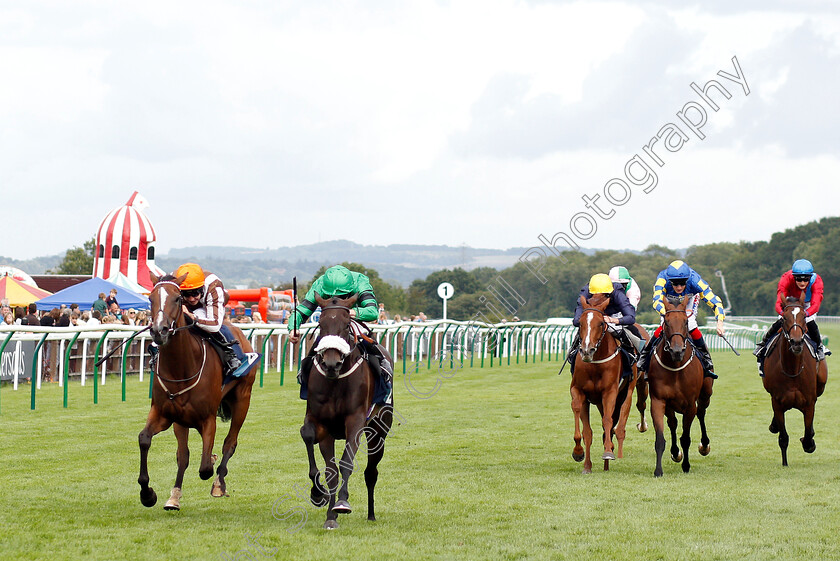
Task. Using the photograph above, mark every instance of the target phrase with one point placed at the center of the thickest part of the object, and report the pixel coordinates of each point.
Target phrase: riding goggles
(801, 278)
(194, 293)
(679, 282)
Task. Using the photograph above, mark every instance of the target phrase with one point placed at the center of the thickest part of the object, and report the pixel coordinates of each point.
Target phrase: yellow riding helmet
(600, 284)
(195, 276)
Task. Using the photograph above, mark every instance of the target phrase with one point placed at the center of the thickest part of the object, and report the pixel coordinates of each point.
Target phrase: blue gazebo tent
(85, 294)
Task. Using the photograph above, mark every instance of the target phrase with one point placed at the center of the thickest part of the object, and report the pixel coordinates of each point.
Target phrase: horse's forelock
(598, 299)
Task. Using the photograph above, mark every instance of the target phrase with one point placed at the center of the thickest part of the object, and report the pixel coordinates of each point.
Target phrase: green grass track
(481, 470)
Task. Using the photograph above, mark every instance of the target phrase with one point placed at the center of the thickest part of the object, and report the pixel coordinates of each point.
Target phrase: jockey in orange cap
(204, 300)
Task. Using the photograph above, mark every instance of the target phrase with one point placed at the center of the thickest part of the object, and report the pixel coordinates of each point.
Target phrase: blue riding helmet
(678, 270)
(802, 267)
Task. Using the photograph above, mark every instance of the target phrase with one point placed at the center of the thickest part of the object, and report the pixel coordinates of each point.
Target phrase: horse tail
(224, 413)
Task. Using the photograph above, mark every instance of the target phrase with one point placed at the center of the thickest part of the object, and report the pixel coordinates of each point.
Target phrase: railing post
(266, 341)
(35, 362)
(66, 373)
(6, 342)
(96, 367)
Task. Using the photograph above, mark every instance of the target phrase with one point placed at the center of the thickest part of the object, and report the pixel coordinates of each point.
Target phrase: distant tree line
(751, 271)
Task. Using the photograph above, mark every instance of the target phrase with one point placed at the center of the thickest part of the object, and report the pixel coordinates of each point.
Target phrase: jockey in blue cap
(681, 281)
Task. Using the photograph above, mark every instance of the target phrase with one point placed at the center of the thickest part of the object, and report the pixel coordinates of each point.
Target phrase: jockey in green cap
(340, 282)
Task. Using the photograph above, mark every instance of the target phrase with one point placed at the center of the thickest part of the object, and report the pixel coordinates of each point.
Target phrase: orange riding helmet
(195, 276)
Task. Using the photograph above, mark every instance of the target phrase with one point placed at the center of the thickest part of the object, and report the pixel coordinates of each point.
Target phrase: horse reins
(667, 346)
(172, 330)
(786, 333)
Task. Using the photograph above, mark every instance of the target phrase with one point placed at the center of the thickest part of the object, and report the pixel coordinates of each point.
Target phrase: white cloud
(269, 124)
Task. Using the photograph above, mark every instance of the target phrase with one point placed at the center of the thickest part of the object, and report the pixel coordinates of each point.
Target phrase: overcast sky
(276, 123)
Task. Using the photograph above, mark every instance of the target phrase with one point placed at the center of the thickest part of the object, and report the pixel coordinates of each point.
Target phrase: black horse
(340, 406)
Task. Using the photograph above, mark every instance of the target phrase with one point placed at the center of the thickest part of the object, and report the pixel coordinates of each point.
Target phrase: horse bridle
(180, 300)
(172, 330)
(603, 332)
(686, 340)
(787, 332)
(355, 339)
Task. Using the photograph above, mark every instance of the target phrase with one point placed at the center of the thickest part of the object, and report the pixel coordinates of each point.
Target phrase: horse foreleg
(641, 398)
(624, 414)
(327, 446)
(238, 410)
(607, 409)
(778, 425)
(822, 377)
(676, 454)
(376, 432)
(577, 406)
(155, 423)
(208, 436)
(702, 405)
(808, 443)
(587, 436)
(685, 439)
(354, 425)
(319, 495)
(657, 415)
(183, 457)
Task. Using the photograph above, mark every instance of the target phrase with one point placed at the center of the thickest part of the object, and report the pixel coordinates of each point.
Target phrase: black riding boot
(573, 351)
(303, 375)
(644, 358)
(706, 357)
(762, 346)
(814, 334)
(232, 362)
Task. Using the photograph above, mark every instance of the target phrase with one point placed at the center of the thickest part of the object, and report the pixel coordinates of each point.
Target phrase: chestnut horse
(793, 378)
(677, 385)
(597, 379)
(340, 406)
(188, 392)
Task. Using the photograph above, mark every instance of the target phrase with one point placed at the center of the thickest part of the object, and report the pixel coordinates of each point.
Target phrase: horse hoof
(577, 457)
(587, 471)
(678, 458)
(174, 502)
(371, 518)
(773, 428)
(704, 450)
(148, 497)
(808, 446)
(331, 525)
(317, 498)
(657, 473)
(608, 456)
(218, 490)
(342, 507)
(641, 427)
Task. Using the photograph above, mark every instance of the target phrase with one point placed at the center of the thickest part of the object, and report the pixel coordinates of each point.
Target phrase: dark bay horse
(641, 386)
(597, 379)
(677, 385)
(793, 378)
(339, 406)
(187, 393)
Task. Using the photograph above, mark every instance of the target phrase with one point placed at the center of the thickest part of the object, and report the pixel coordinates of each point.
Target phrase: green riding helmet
(337, 281)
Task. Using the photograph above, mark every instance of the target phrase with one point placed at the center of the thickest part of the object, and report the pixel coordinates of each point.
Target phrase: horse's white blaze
(588, 327)
(795, 313)
(159, 318)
